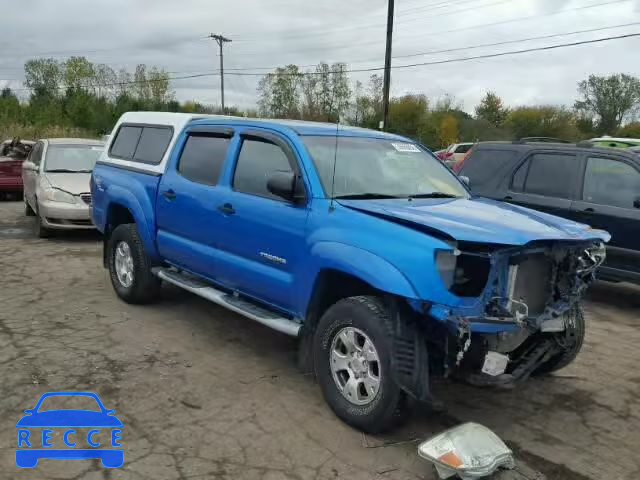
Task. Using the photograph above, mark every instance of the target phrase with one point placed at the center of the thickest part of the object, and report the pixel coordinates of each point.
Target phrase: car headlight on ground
(469, 450)
(57, 195)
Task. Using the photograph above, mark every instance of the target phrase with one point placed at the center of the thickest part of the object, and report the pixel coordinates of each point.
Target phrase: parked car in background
(616, 142)
(56, 183)
(12, 154)
(598, 186)
(282, 221)
(453, 153)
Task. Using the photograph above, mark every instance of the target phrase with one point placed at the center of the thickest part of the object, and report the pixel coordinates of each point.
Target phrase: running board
(229, 301)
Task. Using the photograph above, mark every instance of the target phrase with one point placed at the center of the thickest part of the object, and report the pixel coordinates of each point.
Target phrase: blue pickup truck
(359, 243)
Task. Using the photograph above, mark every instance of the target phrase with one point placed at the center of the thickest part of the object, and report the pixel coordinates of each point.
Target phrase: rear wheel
(129, 266)
(352, 357)
(571, 342)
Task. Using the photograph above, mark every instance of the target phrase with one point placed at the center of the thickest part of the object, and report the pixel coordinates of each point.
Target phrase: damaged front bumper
(515, 308)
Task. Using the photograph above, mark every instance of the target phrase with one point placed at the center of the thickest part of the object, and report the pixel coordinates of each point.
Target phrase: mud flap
(410, 360)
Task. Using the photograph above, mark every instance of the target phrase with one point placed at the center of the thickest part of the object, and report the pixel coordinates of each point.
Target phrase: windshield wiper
(64, 170)
(433, 195)
(364, 196)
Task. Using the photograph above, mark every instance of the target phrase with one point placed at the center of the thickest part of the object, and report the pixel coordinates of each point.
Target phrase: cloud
(171, 34)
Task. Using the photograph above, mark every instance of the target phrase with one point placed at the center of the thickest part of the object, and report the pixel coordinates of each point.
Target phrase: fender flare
(363, 264)
(137, 207)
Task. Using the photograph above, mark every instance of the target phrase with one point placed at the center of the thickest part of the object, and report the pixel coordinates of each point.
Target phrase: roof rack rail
(585, 144)
(541, 140)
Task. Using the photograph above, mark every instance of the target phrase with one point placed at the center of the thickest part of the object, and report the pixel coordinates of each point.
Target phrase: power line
(455, 30)
(393, 67)
(463, 59)
(457, 49)
(352, 27)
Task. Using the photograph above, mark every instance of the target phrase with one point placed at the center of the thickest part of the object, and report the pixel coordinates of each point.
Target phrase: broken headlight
(469, 450)
(464, 274)
(592, 258)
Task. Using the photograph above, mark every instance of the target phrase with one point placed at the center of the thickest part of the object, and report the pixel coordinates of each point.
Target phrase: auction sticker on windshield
(405, 147)
(69, 425)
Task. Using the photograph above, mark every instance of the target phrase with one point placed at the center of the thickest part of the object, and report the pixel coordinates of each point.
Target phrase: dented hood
(478, 220)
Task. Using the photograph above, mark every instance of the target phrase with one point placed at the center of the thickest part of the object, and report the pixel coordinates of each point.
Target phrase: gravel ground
(204, 393)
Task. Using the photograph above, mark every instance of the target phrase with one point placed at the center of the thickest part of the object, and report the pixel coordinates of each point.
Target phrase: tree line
(325, 93)
(85, 98)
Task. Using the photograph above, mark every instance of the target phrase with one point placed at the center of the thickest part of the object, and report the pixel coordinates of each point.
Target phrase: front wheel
(129, 266)
(352, 357)
(571, 343)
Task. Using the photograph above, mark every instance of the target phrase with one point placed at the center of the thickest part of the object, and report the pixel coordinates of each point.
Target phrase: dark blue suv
(359, 243)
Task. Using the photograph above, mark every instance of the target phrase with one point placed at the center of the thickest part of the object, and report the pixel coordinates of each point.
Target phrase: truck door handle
(227, 209)
(508, 198)
(589, 210)
(169, 194)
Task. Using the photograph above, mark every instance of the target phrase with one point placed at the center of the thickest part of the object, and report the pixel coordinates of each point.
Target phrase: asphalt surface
(204, 393)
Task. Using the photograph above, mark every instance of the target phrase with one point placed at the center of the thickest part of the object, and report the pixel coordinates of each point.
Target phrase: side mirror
(283, 185)
(636, 202)
(464, 179)
(29, 410)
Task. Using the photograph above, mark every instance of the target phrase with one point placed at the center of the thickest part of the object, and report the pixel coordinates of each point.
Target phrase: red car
(12, 154)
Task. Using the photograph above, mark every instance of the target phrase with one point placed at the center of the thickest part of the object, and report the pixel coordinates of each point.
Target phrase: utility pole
(387, 66)
(221, 40)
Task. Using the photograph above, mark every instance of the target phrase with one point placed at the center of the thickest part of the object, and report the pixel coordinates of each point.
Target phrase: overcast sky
(268, 33)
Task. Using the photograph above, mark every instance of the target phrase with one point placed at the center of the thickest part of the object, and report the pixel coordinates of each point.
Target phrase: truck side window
(153, 144)
(202, 158)
(256, 162)
(610, 182)
(125, 143)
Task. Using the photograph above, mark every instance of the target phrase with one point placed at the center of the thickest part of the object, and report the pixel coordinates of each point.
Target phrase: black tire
(145, 286)
(389, 406)
(573, 340)
(41, 230)
(28, 211)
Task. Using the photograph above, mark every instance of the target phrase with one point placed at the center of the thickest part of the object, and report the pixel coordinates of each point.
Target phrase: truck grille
(86, 198)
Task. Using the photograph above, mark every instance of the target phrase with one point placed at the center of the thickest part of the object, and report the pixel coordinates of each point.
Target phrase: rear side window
(125, 143)
(610, 182)
(547, 174)
(256, 162)
(202, 158)
(152, 145)
(141, 143)
(482, 165)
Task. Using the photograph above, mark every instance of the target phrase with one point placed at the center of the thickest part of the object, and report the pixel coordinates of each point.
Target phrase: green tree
(43, 76)
(543, 121)
(448, 132)
(492, 110)
(609, 100)
(407, 114)
(279, 93)
(630, 130)
(10, 108)
(78, 74)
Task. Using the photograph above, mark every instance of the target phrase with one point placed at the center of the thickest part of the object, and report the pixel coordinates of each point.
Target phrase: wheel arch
(126, 208)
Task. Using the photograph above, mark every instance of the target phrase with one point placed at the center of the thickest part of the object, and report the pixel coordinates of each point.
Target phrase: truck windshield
(380, 168)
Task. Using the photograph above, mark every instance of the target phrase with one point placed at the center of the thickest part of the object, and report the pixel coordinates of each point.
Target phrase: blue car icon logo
(102, 438)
